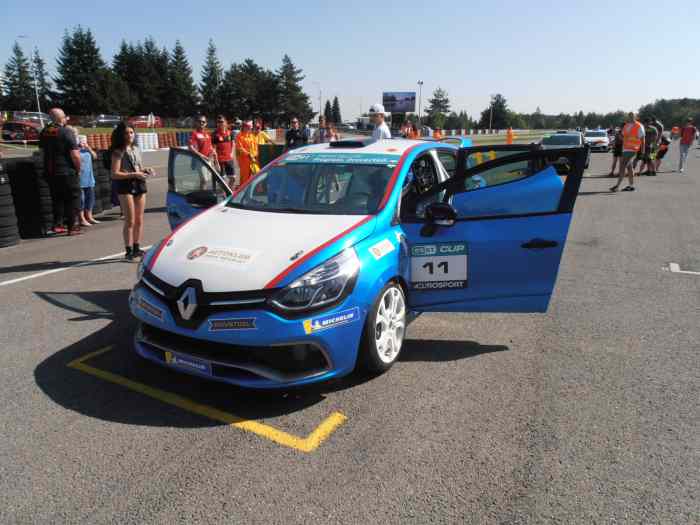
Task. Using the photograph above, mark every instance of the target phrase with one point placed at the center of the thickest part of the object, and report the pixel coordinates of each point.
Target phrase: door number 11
(431, 268)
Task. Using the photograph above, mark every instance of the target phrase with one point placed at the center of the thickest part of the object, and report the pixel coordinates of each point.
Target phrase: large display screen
(399, 101)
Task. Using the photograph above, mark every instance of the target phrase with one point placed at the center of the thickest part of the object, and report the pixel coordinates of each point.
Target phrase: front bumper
(599, 147)
(253, 348)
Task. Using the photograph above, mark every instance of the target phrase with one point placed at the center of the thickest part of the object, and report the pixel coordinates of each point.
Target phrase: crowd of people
(639, 148)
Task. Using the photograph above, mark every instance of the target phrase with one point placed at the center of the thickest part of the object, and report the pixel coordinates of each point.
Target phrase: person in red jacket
(223, 142)
(200, 143)
(688, 135)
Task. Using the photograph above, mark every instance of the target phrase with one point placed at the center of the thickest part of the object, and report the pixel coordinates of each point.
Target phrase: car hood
(231, 250)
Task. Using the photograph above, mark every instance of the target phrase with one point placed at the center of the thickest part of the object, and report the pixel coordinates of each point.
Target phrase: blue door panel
(536, 194)
(498, 267)
(179, 210)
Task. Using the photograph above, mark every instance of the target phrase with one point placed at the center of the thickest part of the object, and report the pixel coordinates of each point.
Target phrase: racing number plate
(187, 363)
(439, 266)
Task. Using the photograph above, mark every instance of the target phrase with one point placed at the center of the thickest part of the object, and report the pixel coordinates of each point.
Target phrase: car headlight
(139, 270)
(323, 285)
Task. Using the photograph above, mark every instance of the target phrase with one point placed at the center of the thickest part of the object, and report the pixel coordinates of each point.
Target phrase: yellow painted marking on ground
(307, 444)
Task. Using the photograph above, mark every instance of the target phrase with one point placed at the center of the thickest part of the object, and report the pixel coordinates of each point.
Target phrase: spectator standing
(223, 141)
(664, 144)
(413, 132)
(632, 144)
(87, 184)
(325, 132)
(247, 152)
(260, 134)
(617, 149)
(130, 176)
(61, 169)
(659, 128)
(651, 140)
(200, 141)
(294, 138)
(688, 134)
(307, 133)
(378, 116)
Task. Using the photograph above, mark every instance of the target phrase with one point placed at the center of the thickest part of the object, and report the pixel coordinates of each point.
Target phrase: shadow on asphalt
(160, 209)
(54, 265)
(81, 392)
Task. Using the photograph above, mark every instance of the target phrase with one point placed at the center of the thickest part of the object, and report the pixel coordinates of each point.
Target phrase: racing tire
(385, 328)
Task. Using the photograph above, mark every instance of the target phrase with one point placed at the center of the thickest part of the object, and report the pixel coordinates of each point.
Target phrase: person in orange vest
(632, 143)
(413, 132)
(437, 134)
(247, 152)
(509, 136)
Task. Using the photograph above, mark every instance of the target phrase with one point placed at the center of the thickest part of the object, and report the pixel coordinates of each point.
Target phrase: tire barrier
(103, 185)
(31, 195)
(9, 234)
(147, 141)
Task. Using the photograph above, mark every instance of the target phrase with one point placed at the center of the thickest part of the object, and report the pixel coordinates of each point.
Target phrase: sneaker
(138, 253)
(75, 231)
(59, 229)
(86, 223)
(94, 221)
(129, 256)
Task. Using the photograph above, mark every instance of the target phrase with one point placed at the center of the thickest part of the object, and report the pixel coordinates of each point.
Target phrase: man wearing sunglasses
(200, 141)
(295, 136)
(223, 140)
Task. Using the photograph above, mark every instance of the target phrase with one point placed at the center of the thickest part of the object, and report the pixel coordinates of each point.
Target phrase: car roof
(386, 146)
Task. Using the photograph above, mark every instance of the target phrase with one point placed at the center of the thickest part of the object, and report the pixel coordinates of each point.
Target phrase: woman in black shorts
(617, 150)
(129, 177)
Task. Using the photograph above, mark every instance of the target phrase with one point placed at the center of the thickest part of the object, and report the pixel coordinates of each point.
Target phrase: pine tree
(182, 93)
(113, 94)
(293, 102)
(42, 80)
(335, 110)
(154, 64)
(328, 111)
(212, 77)
(79, 63)
(438, 107)
(250, 91)
(496, 115)
(18, 81)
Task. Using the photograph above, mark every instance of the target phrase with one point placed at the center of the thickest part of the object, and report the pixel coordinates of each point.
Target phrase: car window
(497, 175)
(420, 179)
(190, 174)
(322, 188)
(448, 159)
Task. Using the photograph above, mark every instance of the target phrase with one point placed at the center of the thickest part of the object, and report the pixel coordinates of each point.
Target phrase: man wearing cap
(381, 130)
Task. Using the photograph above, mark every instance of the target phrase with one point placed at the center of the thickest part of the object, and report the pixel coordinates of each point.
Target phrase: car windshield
(562, 140)
(596, 134)
(314, 187)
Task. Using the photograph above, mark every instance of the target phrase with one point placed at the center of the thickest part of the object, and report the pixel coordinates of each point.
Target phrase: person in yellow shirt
(260, 134)
(247, 152)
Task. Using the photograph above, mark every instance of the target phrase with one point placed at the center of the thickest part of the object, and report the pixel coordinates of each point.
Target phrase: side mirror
(202, 198)
(438, 214)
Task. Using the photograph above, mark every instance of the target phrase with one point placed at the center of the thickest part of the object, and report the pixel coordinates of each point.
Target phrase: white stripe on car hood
(232, 250)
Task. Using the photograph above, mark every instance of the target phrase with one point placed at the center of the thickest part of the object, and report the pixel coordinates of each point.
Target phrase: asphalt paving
(585, 414)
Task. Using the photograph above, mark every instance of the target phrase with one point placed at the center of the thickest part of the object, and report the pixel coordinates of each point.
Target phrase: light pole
(493, 97)
(36, 86)
(320, 98)
(420, 100)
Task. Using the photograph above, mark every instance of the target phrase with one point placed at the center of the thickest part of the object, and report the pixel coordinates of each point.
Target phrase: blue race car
(317, 264)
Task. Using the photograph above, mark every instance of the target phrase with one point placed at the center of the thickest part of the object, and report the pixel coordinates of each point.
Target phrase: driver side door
(193, 186)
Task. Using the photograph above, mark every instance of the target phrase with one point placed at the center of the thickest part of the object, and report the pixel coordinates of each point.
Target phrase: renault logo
(187, 303)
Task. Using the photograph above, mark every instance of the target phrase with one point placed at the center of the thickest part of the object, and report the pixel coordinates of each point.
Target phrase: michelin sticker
(381, 249)
(325, 322)
(241, 323)
(439, 266)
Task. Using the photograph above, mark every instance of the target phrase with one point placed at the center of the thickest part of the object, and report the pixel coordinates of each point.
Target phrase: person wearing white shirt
(381, 130)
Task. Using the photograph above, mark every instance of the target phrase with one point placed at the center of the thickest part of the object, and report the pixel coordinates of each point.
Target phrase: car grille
(277, 363)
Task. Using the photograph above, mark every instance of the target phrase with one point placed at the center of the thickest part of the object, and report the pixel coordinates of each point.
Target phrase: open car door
(494, 240)
(193, 186)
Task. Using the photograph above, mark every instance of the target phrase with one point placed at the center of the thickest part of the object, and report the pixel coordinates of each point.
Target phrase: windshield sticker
(342, 158)
(439, 266)
(241, 323)
(381, 249)
(325, 322)
(227, 255)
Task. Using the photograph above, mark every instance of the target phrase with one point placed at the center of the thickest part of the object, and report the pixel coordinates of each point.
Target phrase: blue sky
(561, 56)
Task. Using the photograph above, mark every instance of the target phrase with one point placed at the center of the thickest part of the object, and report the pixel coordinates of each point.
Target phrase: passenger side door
(193, 186)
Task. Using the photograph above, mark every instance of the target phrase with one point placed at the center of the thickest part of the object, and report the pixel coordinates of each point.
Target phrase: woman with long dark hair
(129, 175)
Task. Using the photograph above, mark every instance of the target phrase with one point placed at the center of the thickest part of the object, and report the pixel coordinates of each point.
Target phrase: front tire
(384, 329)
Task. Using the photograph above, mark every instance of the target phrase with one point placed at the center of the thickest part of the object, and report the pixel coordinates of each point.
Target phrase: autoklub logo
(197, 252)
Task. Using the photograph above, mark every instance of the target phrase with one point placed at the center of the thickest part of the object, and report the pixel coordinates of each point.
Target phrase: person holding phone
(130, 176)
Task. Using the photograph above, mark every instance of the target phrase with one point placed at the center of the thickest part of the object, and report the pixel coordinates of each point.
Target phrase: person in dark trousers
(130, 176)
(223, 140)
(61, 169)
(294, 137)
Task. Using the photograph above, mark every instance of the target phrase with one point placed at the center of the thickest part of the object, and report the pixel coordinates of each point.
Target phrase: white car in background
(597, 140)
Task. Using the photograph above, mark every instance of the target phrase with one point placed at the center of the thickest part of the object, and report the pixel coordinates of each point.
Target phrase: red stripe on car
(274, 282)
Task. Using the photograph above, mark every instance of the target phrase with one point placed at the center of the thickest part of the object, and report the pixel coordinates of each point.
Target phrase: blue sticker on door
(439, 266)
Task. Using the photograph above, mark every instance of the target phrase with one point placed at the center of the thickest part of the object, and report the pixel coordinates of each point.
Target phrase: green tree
(439, 105)
(42, 80)
(293, 102)
(113, 94)
(328, 111)
(335, 111)
(79, 63)
(496, 114)
(18, 81)
(452, 121)
(182, 94)
(251, 91)
(155, 85)
(210, 86)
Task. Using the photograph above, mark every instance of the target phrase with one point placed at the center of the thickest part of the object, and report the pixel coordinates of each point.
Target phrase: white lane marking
(56, 270)
(676, 268)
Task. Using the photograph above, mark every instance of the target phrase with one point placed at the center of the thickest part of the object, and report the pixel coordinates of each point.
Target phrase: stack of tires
(31, 195)
(9, 234)
(45, 202)
(103, 184)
